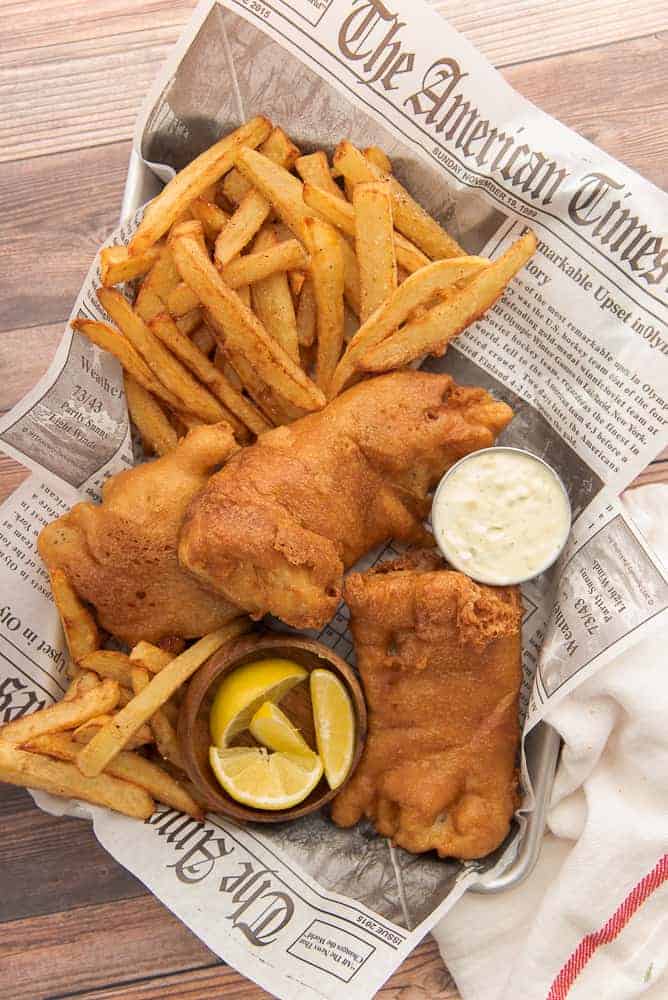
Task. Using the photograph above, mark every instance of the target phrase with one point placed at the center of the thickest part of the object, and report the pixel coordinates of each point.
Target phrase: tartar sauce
(501, 515)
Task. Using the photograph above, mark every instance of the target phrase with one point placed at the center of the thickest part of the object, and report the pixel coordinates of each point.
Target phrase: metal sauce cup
(452, 557)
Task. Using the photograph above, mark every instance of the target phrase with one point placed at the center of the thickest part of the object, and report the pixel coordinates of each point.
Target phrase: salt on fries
(241, 327)
(431, 333)
(232, 315)
(190, 182)
(242, 269)
(414, 293)
(374, 245)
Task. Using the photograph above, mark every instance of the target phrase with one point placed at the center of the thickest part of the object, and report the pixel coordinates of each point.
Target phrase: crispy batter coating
(121, 555)
(274, 530)
(439, 656)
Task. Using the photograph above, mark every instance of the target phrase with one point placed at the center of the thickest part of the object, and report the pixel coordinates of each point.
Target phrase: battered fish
(121, 555)
(439, 656)
(275, 529)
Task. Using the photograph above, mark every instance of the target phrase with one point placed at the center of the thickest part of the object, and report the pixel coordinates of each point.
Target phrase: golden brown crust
(439, 656)
(275, 529)
(121, 555)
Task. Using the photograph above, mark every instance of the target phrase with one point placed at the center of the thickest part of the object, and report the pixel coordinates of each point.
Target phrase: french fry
(272, 300)
(306, 314)
(181, 300)
(248, 219)
(263, 263)
(85, 681)
(149, 418)
(109, 663)
(327, 265)
(379, 158)
(244, 293)
(106, 744)
(281, 189)
(274, 408)
(150, 657)
(418, 290)
(409, 217)
(296, 281)
(342, 215)
(62, 715)
(337, 211)
(190, 182)
(104, 336)
(203, 339)
(223, 365)
(350, 325)
(85, 733)
(431, 333)
(278, 148)
(117, 266)
(127, 766)
(162, 277)
(32, 770)
(187, 351)
(81, 632)
(242, 330)
(193, 397)
(147, 304)
(208, 194)
(409, 256)
(314, 169)
(212, 217)
(374, 245)
(351, 277)
(162, 729)
(189, 323)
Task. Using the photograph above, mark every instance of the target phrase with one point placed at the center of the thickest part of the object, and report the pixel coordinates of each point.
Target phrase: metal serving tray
(542, 744)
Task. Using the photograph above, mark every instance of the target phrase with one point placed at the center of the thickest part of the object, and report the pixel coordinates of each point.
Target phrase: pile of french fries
(111, 740)
(264, 286)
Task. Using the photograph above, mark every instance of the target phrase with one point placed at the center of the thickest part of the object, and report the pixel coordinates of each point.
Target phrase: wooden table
(72, 75)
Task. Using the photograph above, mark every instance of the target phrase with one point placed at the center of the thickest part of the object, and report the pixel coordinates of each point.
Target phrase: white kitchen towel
(591, 922)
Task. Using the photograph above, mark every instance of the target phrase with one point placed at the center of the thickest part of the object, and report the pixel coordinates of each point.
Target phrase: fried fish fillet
(120, 555)
(439, 656)
(275, 529)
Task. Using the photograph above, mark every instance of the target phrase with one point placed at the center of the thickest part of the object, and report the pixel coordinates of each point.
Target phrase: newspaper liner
(575, 346)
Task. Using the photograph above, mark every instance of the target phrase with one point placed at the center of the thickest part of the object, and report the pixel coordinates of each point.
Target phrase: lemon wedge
(242, 691)
(262, 780)
(334, 725)
(271, 727)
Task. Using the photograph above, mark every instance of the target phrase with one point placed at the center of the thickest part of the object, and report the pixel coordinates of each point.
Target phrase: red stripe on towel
(615, 925)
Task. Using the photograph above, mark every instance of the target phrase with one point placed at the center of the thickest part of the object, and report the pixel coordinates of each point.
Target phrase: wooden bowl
(193, 726)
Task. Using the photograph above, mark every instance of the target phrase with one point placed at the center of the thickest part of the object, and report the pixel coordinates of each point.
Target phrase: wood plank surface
(51, 864)
(72, 76)
(60, 954)
(63, 207)
(513, 31)
(615, 96)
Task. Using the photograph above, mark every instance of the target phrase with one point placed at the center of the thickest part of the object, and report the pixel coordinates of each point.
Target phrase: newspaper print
(575, 346)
